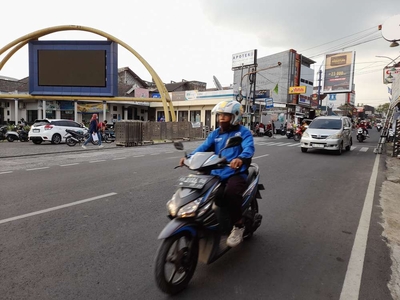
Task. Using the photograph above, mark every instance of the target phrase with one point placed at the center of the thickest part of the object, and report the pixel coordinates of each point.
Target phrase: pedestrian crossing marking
(294, 144)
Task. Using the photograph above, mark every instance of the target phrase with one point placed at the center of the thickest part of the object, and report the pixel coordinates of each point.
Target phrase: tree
(383, 108)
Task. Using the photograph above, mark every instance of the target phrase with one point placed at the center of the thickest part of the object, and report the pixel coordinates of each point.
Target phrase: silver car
(328, 133)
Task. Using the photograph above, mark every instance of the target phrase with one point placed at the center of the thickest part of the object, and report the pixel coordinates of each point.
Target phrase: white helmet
(229, 107)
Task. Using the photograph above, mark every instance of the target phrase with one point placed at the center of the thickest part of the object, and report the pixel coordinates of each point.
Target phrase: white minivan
(328, 133)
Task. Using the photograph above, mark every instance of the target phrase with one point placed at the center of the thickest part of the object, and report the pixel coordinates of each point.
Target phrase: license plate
(36, 130)
(318, 146)
(194, 182)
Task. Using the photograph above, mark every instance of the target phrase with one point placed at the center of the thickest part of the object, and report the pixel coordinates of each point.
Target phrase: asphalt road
(84, 225)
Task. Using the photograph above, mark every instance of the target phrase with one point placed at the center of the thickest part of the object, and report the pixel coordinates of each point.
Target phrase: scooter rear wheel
(176, 261)
(70, 142)
(252, 221)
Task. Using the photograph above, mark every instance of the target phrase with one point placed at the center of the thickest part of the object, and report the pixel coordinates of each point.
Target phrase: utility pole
(319, 88)
(251, 87)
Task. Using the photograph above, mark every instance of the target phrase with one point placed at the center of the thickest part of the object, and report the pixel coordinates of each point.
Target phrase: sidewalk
(18, 149)
(390, 203)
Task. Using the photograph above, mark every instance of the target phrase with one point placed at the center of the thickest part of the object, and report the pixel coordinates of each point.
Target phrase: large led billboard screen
(74, 68)
(339, 71)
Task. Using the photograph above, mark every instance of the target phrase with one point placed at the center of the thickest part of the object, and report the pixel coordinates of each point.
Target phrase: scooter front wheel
(176, 261)
(107, 139)
(297, 137)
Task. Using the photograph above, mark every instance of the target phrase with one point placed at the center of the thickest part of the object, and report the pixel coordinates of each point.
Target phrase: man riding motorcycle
(229, 114)
(364, 127)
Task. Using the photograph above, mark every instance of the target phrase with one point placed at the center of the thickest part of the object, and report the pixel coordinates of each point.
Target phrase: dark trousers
(232, 196)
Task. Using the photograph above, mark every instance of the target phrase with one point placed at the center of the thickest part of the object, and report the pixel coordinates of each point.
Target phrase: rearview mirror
(231, 142)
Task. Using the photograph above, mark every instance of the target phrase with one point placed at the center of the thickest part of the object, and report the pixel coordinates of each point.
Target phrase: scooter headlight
(189, 210)
(171, 206)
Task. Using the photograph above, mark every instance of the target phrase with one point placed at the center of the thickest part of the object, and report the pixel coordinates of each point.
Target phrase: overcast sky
(195, 39)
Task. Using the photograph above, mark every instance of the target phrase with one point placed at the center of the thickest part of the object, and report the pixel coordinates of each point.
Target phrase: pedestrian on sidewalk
(273, 127)
(93, 131)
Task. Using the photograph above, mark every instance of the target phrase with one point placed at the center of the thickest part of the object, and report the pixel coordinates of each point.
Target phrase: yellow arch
(22, 41)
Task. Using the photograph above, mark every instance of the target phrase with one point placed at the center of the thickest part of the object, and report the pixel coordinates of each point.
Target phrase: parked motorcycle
(289, 133)
(361, 135)
(298, 134)
(268, 132)
(108, 136)
(3, 131)
(198, 228)
(17, 134)
(77, 137)
(282, 130)
(262, 132)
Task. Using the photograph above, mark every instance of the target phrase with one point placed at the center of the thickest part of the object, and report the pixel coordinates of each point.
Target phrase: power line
(338, 39)
(343, 47)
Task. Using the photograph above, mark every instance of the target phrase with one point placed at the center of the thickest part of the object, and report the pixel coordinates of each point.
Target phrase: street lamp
(390, 30)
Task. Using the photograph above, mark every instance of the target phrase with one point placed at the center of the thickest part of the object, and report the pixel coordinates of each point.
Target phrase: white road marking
(292, 145)
(174, 157)
(34, 169)
(284, 144)
(352, 280)
(169, 152)
(67, 165)
(352, 148)
(364, 149)
(55, 208)
(272, 143)
(138, 156)
(6, 172)
(260, 156)
(119, 158)
(155, 154)
(96, 161)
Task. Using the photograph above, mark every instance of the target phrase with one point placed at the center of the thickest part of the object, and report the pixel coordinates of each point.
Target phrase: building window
(32, 115)
(183, 116)
(160, 116)
(115, 108)
(195, 116)
(50, 114)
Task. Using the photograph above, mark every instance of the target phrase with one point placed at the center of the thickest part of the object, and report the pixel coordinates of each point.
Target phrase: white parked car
(52, 130)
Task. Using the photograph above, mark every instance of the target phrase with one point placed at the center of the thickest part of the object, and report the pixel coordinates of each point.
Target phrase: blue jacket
(216, 140)
(93, 126)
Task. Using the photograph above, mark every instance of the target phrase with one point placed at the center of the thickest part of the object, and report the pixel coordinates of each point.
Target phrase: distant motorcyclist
(229, 114)
(363, 125)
